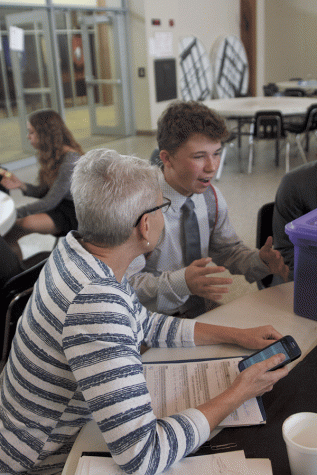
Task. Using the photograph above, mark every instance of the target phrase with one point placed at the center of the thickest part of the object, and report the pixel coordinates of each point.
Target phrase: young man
(189, 138)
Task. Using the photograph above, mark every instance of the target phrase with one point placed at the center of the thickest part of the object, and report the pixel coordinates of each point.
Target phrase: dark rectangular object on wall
(165, 79)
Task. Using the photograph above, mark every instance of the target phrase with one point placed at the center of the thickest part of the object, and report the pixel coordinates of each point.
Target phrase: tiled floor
(244, 193)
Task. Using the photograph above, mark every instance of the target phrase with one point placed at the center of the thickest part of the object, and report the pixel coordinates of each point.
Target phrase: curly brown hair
(53, 135)
(181, 120)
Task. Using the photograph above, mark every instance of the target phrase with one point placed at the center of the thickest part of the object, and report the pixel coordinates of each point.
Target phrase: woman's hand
(252, 382)
(257, 338)
(257, 379)
(10, 181)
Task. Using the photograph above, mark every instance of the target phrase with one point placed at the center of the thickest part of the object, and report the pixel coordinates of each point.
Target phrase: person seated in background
(174, 280)
(296, 196)
(58, 151)
(76, 352)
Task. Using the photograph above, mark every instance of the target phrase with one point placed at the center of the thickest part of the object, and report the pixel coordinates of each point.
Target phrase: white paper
(228, 463)
(177, 386)
(259, 467)
(161, 45)
(16, 40)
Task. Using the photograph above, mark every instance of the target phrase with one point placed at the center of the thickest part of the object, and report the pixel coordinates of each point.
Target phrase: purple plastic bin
(303, 234)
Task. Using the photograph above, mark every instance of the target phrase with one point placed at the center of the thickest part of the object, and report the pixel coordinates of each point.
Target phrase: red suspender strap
(217, 209)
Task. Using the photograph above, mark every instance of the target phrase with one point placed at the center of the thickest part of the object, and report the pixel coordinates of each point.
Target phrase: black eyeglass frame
(167, 203)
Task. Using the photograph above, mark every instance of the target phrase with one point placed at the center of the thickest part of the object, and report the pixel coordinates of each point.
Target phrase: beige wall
(290, 39)
(205, 19)
(139, 59)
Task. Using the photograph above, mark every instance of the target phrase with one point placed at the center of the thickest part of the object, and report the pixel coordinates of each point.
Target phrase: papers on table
(228, 463)
(179, 385)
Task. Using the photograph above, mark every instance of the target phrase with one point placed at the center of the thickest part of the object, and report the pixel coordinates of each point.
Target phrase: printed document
(179, 385)
(228, 463)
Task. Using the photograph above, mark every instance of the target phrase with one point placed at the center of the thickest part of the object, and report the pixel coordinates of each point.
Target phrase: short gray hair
(110, 192)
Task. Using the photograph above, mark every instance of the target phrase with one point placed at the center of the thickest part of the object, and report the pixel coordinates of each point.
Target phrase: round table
(247, 107)
(7, 213)
(243, 110)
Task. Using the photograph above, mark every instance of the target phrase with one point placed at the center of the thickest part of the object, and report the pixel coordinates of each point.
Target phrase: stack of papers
(228, 463)
(180, 385)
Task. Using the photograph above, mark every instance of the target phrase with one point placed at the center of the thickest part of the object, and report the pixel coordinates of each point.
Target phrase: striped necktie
(195, 304)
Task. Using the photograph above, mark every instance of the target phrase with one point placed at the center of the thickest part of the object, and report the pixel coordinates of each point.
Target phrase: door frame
(121, 82)
(20, 19)
(248, 38)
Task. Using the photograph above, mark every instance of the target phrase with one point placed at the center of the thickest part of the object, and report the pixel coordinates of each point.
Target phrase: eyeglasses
(165, 205)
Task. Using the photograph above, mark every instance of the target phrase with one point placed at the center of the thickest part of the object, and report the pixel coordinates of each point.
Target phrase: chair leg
(287, 151)
(277, 152)
(300, 148)
(221, 164)
(251, 152)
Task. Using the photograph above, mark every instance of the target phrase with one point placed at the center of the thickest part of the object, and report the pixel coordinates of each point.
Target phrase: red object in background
(156, 22)
(171, 22)
(78, 55)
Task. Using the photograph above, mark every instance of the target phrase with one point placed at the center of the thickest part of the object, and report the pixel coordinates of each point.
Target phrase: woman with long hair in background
(53, 212)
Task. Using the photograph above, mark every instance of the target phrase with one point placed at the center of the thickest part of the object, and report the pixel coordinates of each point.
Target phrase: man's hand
(201, 283)
(274, 260)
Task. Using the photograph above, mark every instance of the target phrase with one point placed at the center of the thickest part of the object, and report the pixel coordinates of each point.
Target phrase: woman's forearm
(252, 338)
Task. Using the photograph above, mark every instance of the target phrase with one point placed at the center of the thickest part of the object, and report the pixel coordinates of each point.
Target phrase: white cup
(300, 435)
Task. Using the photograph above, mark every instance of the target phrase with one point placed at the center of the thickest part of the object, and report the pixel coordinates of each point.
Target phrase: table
(243, 109)
(270, 306)
(309, 86)
(246, 107)
(7, 213)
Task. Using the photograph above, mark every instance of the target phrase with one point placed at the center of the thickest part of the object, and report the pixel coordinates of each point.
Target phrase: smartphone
(286, 345)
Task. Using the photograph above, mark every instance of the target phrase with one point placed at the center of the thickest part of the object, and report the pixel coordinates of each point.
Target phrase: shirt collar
(177, 200)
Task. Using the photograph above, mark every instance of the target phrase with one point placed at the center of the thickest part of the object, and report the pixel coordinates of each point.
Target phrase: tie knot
(189, 204)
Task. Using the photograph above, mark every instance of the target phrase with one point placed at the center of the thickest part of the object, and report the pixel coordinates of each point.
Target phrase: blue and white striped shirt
(76, 356)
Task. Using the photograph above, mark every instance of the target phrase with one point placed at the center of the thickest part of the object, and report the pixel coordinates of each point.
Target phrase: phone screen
(278, 347)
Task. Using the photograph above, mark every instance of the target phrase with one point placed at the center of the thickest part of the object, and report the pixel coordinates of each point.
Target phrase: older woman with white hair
(76, 352)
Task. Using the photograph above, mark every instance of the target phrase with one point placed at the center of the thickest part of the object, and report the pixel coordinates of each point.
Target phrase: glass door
(107, 74)
(33, 72)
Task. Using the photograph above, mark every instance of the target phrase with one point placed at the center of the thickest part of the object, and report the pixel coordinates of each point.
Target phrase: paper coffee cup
(300, 435)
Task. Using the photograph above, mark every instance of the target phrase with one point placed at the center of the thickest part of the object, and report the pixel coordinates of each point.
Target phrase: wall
(141, 86)
(292, 53)
(260, 47)
(205, 20)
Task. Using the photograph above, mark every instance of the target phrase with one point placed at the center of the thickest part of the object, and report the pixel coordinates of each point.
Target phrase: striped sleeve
(101, 336)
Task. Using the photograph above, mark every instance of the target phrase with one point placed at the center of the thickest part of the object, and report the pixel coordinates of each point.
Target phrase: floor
(244, 193)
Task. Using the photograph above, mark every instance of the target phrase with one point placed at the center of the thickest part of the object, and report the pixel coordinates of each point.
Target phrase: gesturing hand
(273, 259)
(201, 281)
